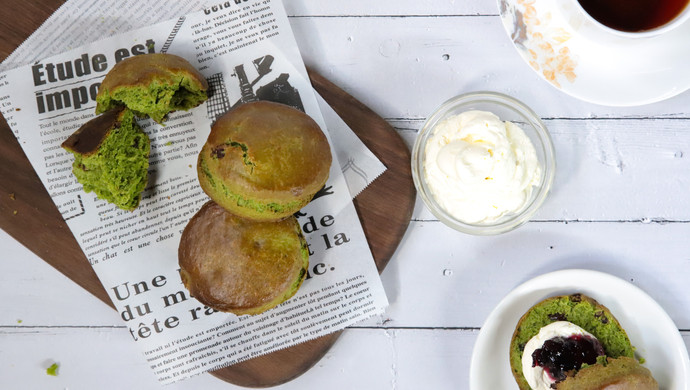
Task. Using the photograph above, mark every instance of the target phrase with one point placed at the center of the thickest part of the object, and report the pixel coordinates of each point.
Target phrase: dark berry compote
(561, 354)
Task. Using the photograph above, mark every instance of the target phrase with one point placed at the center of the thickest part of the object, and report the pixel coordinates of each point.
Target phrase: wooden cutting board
(29, 215)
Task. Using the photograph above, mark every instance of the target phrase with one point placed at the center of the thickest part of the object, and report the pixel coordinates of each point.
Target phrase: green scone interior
(111, 157)
(578, 309)
(152, 84)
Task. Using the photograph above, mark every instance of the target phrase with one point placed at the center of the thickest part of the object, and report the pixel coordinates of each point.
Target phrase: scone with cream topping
(559, 338)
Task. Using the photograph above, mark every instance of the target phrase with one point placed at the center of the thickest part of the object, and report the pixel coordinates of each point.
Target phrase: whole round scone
(578, 309)
(241, 266)
(264, 160)
(152, 84)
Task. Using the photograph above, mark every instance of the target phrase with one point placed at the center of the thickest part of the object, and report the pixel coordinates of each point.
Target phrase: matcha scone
(241, 266)
(152, 84)
(623, 373)
(264, 161)
(111, 157)
(562, 334)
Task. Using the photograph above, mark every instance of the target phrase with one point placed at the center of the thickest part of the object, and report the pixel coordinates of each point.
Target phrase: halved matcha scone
(241, 266)
(264, 161)
(585, 329)
(111, 157)
(152, 84)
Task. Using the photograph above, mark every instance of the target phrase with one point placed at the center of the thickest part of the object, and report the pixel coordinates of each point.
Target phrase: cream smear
(537, 377)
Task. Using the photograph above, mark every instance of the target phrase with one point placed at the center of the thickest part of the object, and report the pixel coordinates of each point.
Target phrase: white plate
(591, 64)
(649, 328)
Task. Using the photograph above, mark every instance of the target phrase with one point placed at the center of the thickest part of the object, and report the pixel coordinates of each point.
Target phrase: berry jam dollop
(561, 354)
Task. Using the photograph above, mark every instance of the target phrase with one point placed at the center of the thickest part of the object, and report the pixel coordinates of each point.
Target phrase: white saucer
(650, 329)
(591, 64)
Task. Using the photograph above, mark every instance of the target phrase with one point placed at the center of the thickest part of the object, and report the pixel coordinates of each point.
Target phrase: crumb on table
(52, 370)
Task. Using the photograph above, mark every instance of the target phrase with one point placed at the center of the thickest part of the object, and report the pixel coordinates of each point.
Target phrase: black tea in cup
(634, 15)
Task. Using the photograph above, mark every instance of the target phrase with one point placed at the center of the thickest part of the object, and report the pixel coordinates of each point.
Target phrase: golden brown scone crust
(241, 266)
(264, 160)
(142, 69)
(623, 373)
(633, 382)
(88, 138)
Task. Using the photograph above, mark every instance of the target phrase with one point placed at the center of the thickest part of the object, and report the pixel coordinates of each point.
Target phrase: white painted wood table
(620, 204)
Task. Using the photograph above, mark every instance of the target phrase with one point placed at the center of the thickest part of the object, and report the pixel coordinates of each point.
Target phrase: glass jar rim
(513, 220)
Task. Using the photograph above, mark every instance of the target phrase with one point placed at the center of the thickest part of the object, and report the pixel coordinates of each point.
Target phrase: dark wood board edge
(18, 19)
(25, 205)
(385, 207)
(28, 214)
